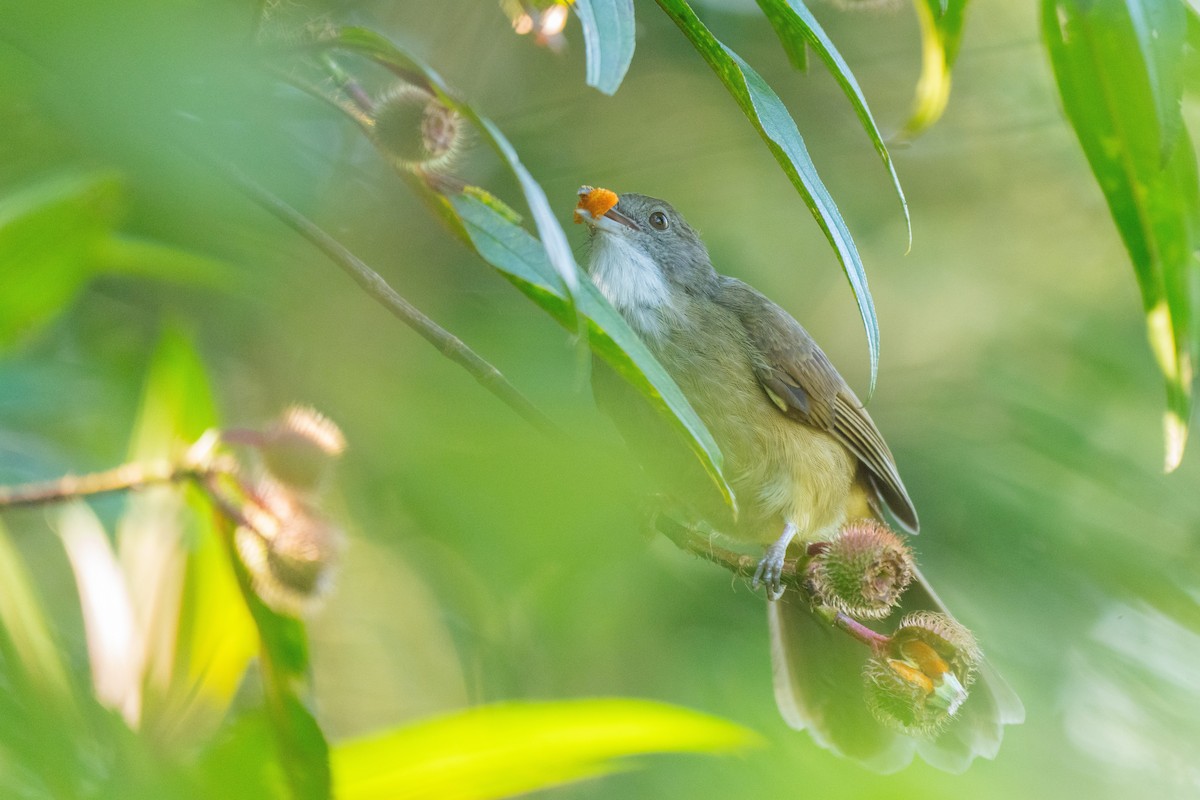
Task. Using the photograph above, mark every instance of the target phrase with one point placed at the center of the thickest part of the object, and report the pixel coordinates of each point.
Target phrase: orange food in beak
(596, 202)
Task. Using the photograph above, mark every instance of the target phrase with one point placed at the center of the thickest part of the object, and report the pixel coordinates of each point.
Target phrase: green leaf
(505, 750)
(284, 662)
(30, 662)
(41, 719)
(797, 27)
(770, 117)
(1161, 32)
(198, 635)
(1112, 61)
(516, 254)
(608, 36)
(941, 34)
(372, 45)
(48, 233)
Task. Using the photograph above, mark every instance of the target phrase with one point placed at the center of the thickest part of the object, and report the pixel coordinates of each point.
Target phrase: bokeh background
(487, 562)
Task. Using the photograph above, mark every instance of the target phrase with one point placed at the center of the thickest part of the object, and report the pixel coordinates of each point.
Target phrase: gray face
(654, 228)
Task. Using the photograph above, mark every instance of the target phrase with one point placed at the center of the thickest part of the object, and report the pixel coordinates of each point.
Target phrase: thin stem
(118, 479)
(740, 564)
(873, 639)
(703, 545)
(351, 87)
(373, 284)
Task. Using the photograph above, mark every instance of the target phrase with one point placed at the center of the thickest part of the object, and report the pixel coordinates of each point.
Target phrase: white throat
(631, 281)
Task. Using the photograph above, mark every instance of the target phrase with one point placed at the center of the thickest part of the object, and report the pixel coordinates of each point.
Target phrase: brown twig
(123, 478)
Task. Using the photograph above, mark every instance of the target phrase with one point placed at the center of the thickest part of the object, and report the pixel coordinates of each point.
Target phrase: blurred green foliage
(489, 563)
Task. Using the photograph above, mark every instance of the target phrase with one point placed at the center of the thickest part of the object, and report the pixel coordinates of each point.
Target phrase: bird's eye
(658, 221)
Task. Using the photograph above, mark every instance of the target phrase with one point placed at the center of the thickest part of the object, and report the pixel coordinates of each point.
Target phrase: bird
(801, 453)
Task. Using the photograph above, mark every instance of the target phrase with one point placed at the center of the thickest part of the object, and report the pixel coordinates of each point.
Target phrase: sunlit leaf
(198, 636)
(516, 254)
(770, 117)
(608, 36)
(504, 750)
(797, 27)
(1113, 63)
(372, 45)
(115, 640)
(48, 233)
(941, 34)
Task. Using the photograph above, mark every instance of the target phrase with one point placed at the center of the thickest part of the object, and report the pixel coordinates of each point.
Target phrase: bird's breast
(631, 281)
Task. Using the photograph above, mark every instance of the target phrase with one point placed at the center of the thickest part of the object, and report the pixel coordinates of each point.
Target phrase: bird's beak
(598, 209)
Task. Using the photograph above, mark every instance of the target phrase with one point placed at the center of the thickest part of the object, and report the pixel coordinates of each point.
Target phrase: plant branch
(118, 479)
(873, 639)
(743, 565)
(703, 544)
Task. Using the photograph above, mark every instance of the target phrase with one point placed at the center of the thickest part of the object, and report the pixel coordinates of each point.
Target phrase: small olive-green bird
(801, 453)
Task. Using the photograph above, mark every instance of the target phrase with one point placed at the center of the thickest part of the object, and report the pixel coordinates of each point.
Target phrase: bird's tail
(819, 687)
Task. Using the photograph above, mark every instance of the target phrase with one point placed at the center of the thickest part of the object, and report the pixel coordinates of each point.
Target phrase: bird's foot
(770, 567)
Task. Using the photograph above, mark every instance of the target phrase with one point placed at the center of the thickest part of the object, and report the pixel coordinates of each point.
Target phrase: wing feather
(801, 381)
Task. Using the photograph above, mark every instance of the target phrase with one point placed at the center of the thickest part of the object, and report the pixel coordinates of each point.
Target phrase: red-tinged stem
(876, 641)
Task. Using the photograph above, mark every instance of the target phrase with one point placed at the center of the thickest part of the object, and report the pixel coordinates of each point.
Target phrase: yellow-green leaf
(941, 33)
(199, 637)
(1116, 63)
(505, 750)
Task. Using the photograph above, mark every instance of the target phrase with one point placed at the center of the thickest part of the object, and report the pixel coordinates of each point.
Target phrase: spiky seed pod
(299, 448)
(920, 681)
(289, 550)
(863, 572)
(416, 130)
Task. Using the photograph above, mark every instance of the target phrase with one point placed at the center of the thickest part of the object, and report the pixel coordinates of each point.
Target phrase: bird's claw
(770, 572)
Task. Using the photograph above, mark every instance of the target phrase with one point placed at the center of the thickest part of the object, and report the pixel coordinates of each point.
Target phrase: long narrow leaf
(795, 25)
(505, 750)
(608, 36)
(1110, 59)
(42, 717)
(941, 33)
(372, 45)
(770, 117)
(197, 635)
(511, 250)
(30, 661)
(115, 641)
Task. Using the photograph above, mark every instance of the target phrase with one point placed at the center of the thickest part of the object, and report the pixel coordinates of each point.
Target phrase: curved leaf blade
(608, 37)
(941, 34)
(372, 45)
(509, 749)
(1108, 59)
(775, 125)
(796, 26)
(516, 254)
(197, 639)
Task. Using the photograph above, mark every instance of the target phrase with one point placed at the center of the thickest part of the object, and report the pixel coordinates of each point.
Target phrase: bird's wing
(800, 380)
